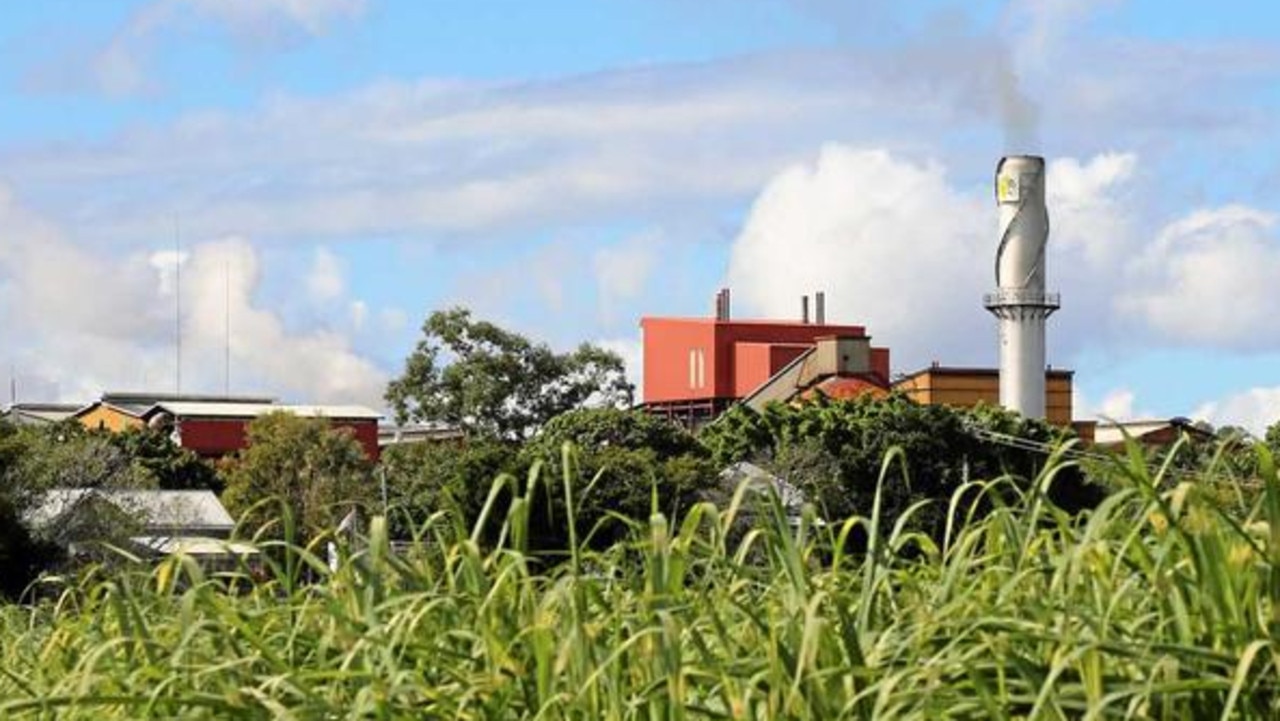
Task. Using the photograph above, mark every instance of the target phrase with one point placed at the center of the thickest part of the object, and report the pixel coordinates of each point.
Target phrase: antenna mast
(177, 303)
(226, 315)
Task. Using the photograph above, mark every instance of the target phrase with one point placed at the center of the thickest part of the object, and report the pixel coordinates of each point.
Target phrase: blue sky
(333, 170)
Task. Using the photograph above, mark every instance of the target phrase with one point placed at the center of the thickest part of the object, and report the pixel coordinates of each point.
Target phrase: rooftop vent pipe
(722, 304)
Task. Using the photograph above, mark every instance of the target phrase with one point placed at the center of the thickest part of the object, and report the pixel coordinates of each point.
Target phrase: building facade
(967, 387)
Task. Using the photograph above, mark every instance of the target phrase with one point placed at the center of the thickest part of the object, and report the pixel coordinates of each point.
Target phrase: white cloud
(645, 143)
(1254, 409)
(254, 17)
(319, 364)
(893, 244)
(122, 67)
(631, 350)
(1209, 278)
(903, 250)
(392, 320)
(1119, 404)
(325, 281)
(359, 312)
(78, 324)
(623, 270)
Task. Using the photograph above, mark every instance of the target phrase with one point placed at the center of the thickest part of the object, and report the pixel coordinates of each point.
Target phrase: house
(1150, 432)
(38, 414)
(214, 429)
(117, 411)
(395, 435)
(157, 522)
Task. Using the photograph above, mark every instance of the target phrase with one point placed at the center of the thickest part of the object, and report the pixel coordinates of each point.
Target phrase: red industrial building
(213, 430)
(695, 368)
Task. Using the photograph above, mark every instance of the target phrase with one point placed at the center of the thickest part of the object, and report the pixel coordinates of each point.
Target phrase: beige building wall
(105, 417)
(963, 388)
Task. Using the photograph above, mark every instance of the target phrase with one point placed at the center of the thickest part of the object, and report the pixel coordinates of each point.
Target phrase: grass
(1159, 604)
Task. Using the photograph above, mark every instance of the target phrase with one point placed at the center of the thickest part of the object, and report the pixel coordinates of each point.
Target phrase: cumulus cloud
(893, 244)
(624, 269)
(1209, 278)
(1255, 409)
(319, 364)
(631, 350)
(899, 246)
(76, 324)
(326, 281)
(1119, 404)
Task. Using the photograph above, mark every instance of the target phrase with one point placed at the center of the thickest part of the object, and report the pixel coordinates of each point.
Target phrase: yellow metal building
(966, 387)
(105, 416)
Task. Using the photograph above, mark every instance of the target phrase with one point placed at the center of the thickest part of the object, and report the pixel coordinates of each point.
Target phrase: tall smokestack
(820, 308)
(1020, 302)
(804, 309)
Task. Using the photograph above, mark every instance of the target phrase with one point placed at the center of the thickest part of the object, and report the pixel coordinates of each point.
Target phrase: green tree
(168, 465)
(834, 450)
(626, 459)
(1272, 437)
(34, 460)
(426, 478)
(318, 471)
(493, 382)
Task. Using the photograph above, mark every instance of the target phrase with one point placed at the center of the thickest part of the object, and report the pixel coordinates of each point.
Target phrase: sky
(291, 186)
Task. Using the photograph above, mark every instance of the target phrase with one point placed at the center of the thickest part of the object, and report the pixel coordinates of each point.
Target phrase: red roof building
(213, 430)
(695, 368)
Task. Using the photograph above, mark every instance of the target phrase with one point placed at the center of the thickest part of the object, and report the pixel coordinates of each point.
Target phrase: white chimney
(1020, 301)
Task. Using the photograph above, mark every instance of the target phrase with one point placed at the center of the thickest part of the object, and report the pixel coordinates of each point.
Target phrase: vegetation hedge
(1159, 603)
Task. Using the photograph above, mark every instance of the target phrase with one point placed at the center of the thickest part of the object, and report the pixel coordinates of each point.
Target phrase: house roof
(147, 399)
(187, 409)
(128, 410)
(1106, 434)
(840, 387)
(136, 404)
(191, 511)
(940, 370)
(195, 546)
(389, 435)
(36, 413)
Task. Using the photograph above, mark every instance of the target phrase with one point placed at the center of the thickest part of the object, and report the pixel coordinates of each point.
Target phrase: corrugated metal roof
(1106, 434)
(188, 510)
(35, 413)
(195, 546)
(146, 399)
(253, 410)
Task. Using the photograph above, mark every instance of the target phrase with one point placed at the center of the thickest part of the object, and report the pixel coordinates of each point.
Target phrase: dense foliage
(492, 382)
(453, 478)
(318, 472)
(630, 464)
(834, 451)
(1157, 604)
